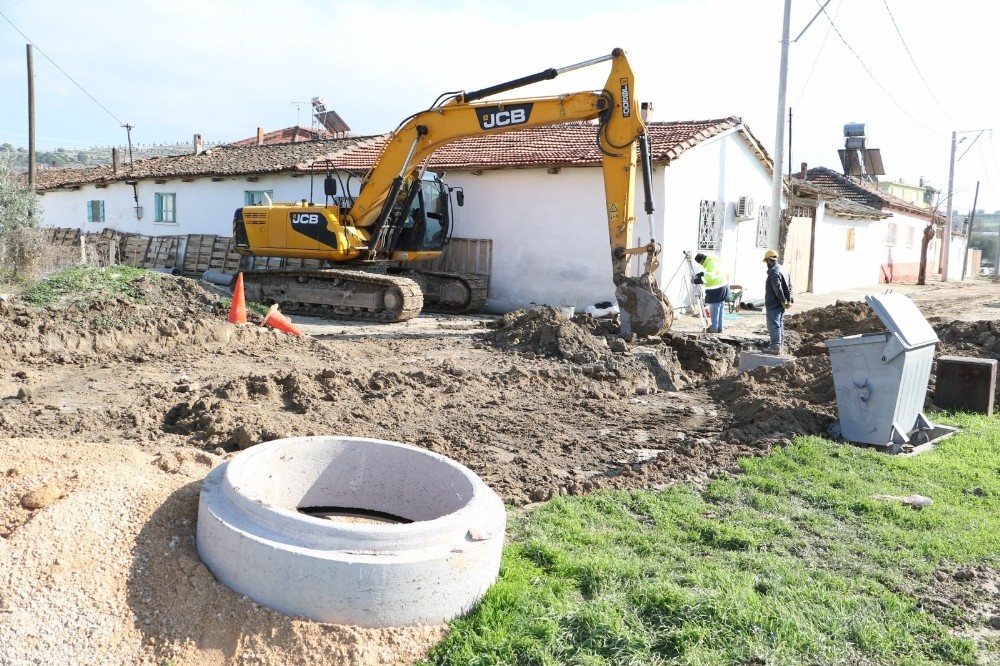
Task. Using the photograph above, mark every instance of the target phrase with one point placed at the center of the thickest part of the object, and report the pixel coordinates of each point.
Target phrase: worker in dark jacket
(777, 298)
(715, 280)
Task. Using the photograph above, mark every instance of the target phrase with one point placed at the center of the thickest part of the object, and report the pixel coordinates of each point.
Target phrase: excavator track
(450, 292)
(337, 294)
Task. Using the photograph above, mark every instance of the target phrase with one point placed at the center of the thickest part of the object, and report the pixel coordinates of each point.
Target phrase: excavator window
(426, 223)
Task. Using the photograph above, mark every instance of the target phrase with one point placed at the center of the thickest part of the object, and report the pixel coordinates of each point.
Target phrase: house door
(798, 254)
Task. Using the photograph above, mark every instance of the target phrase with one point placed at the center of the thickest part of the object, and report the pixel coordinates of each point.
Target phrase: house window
(257, 197)
(166, 208)
(911, 235)
(763, 237)
(711, 217)
(95, 210)
(850, 240)
(890, 235)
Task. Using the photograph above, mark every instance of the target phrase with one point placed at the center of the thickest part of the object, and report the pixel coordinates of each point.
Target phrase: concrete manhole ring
(427, 555)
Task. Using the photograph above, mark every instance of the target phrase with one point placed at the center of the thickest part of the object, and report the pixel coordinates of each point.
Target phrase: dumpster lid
(903, 319)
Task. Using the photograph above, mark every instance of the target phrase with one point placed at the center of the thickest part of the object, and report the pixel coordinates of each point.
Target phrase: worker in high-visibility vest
(715, 280)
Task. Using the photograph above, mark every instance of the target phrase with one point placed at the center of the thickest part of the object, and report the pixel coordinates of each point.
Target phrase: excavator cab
(425, 219)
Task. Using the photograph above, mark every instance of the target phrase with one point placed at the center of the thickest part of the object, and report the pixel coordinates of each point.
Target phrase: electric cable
(914, 63)
(876, 81)
(812, 70)
(120, 123)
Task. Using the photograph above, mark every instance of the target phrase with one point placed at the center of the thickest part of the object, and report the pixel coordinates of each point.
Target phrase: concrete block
(966, 384)
(750, 360)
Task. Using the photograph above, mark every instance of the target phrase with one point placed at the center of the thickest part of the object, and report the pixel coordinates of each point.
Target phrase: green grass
(80, 286)
(791, 562)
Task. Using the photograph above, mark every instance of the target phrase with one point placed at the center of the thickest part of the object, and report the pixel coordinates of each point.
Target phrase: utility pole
(774, 219)
(32, 167)
(968, 233)
(946, 234)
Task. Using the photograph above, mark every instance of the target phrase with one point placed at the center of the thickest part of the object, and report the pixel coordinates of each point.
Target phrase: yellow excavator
(402, 213)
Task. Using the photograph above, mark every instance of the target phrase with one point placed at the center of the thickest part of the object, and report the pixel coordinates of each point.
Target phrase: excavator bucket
(644, 309)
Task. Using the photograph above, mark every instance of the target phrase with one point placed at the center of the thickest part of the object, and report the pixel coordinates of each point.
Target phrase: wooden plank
(198, 254)
(225, 258)
(162, 252)
(63, 237)
(134, 250)
(463, 255)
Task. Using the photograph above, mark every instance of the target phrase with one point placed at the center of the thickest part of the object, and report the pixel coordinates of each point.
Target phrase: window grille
(712, 214)
(763, 236)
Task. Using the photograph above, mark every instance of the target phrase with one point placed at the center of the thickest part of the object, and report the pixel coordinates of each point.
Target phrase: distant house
(846, 232)
(536, 195)
(920, 195)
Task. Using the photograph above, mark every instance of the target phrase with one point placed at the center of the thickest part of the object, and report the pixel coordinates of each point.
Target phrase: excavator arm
(621, 135)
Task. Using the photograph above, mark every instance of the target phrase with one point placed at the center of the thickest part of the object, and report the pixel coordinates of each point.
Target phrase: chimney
(802, 170)
(197, 144)
(260, 136)
(115, 161)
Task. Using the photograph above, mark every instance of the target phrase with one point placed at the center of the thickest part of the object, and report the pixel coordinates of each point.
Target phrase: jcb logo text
(305, 218)
(493, 117)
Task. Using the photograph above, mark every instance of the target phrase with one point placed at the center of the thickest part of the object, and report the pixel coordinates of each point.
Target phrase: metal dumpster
(881, 379)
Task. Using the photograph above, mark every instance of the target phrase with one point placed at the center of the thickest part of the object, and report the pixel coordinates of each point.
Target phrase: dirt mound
(105, 569)
(117, 410)
(779, 402)
(545, 331)
(809, 330)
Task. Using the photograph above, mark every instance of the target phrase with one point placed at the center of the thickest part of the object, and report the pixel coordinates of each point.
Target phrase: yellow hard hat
(770, 254)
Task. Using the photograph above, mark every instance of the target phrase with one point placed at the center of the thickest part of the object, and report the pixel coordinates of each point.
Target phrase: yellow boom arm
(621, 129)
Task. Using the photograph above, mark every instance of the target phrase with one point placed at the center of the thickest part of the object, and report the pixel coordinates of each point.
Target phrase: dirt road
(113, 415)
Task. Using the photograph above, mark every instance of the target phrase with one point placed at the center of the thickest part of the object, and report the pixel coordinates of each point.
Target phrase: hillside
(75, 158)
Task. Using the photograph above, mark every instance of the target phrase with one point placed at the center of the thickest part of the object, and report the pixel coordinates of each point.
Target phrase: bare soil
(112, 415)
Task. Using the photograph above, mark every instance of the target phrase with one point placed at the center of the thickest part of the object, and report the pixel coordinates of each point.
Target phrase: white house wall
(720, 169)
(203, 206)
(561, 255)
(551, 244)
(835, 267)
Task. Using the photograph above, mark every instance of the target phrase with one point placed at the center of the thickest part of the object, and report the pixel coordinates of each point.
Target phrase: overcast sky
(913, 71)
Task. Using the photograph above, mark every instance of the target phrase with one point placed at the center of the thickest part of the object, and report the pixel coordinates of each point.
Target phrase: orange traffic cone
(278, 321)
(238, 310)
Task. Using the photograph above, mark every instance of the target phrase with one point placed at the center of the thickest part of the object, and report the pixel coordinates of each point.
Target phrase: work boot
(772, 350)
(713, 330)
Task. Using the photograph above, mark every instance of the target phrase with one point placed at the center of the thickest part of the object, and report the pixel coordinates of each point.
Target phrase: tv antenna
(298, 112)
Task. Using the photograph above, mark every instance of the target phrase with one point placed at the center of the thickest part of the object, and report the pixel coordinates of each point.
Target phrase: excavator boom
(382, 221)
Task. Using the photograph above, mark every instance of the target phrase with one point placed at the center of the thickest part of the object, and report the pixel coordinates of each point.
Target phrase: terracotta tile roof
(557, 146)
(810, 192)
(862, 192)
(571, 144)
(218, 161)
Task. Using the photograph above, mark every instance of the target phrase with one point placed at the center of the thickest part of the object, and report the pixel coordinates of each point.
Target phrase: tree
(21, 241)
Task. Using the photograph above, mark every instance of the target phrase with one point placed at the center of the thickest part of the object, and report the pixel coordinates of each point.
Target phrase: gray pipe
(215, 277)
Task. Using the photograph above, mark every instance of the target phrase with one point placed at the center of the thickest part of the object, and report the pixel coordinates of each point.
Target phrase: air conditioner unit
(745, 208)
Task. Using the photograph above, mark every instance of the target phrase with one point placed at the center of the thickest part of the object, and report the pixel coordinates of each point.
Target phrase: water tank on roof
(855, 129)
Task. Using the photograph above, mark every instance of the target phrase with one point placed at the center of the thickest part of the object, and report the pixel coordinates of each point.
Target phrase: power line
(914, 62)
(874, 80)
(120, 123)
(812, 70)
